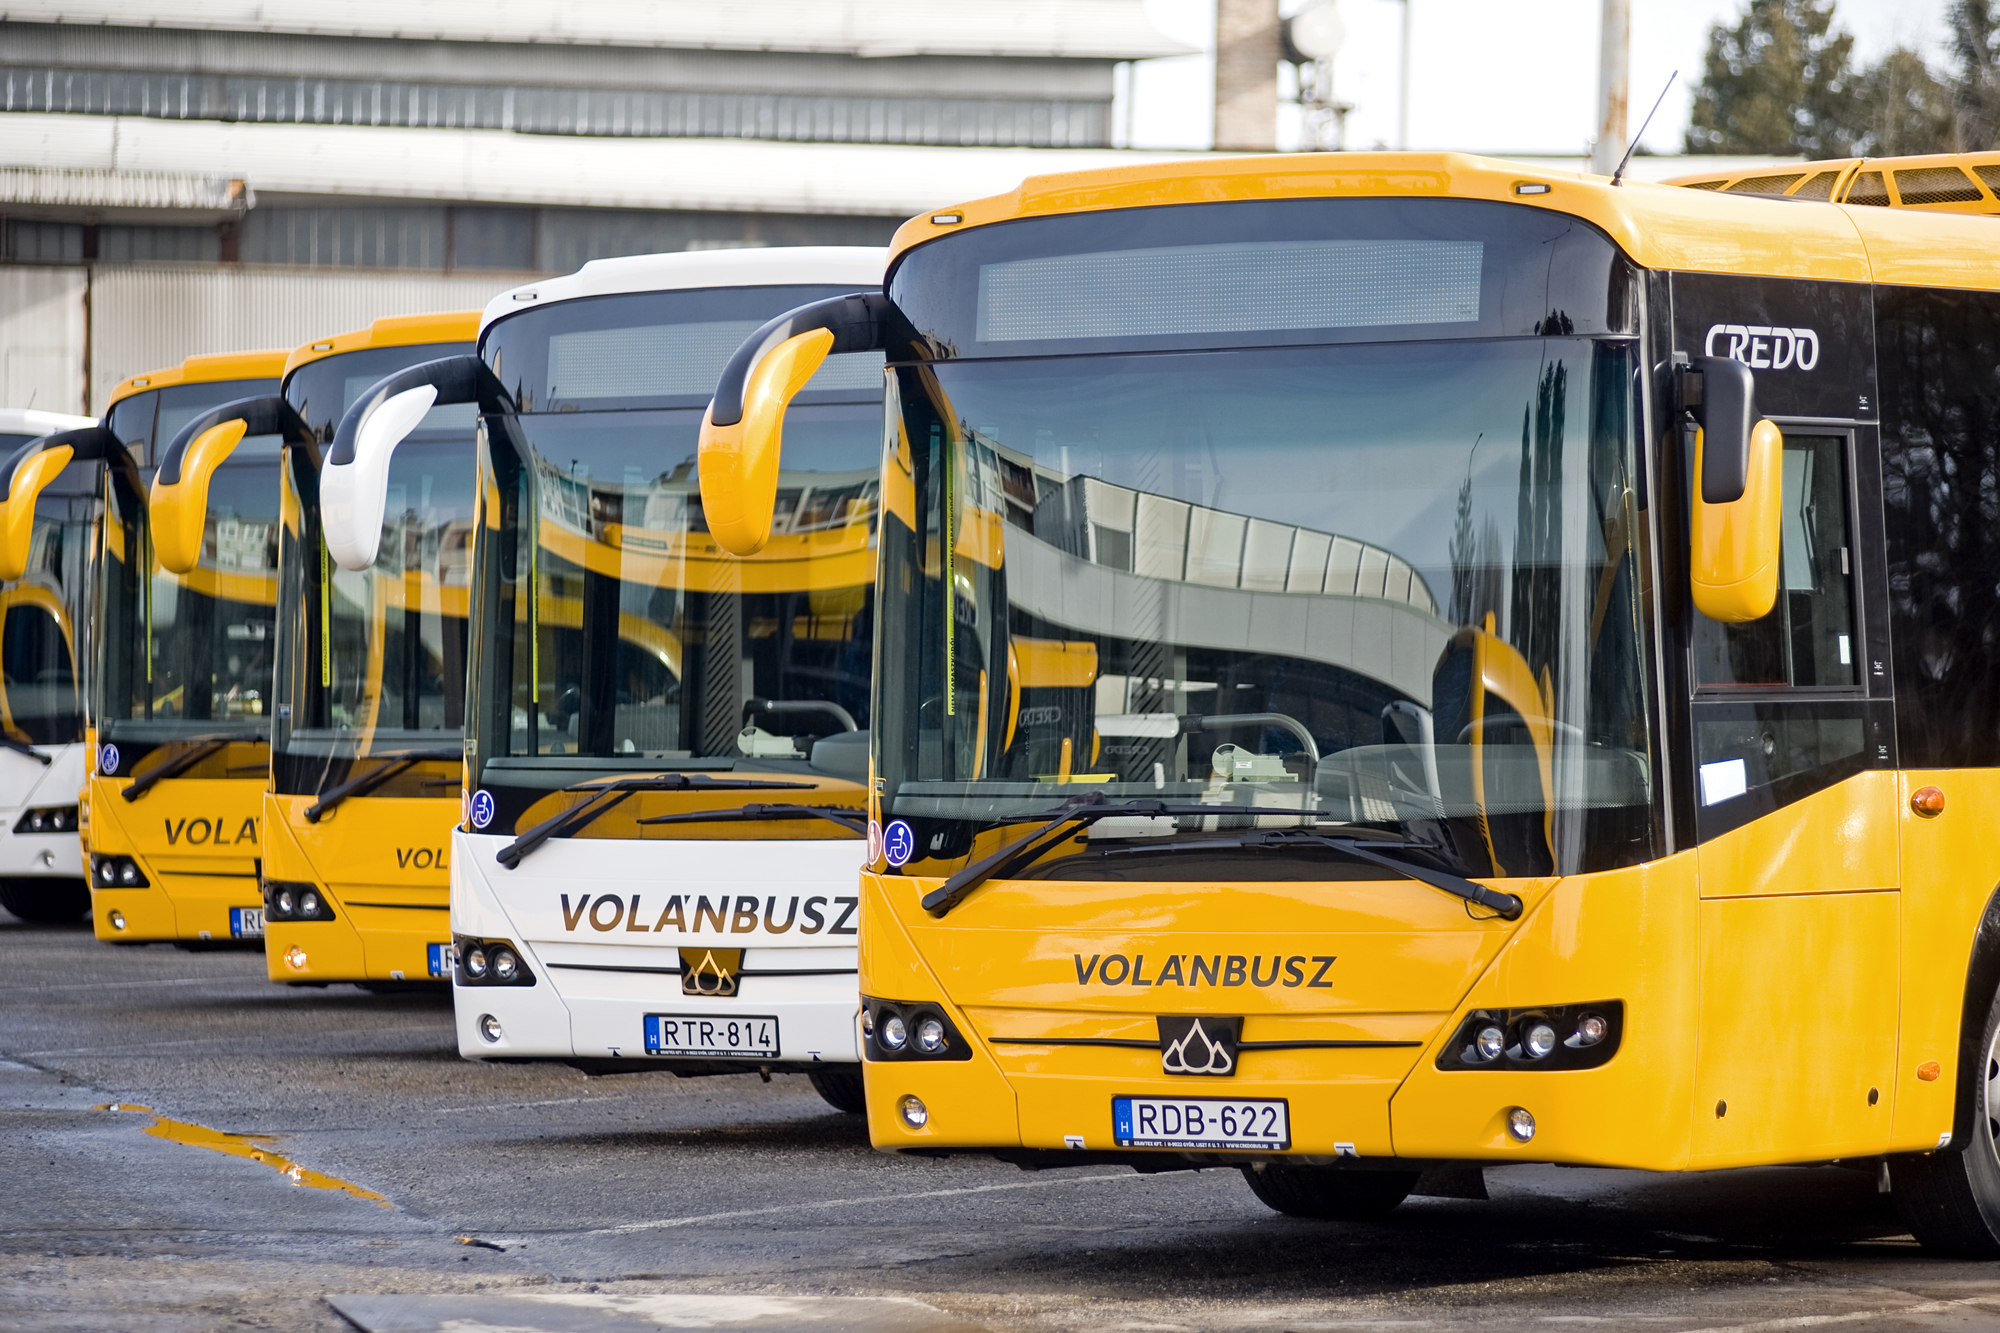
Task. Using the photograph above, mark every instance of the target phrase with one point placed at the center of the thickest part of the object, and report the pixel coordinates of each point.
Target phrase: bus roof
(33, 421)
(1658, 226)
(395, 331)
(1933, 182)
(205, 369)
(786, 266)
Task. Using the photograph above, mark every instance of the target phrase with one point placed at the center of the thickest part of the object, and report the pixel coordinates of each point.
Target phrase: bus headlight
(117, 872)
(490, 963)
(909, 1030)
(1546, 1036)
(47, 819)
(285, 900)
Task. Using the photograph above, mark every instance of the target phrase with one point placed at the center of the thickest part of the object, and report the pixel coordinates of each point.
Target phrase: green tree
(1777, 82)
(1975, 41)
(1901, 107)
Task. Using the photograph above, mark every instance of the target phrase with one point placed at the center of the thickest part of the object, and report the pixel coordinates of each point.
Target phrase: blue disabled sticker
(482, 809)
(899, 843)
(107, 760)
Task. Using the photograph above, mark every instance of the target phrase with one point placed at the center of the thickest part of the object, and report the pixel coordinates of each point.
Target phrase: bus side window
(1808, 639)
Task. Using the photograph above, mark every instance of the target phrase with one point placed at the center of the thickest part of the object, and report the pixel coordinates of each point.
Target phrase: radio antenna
(1631, 148)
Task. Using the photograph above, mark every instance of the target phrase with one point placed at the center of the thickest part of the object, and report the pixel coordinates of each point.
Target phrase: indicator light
(1590, 1029)
(1520, 1124)
(946, 219)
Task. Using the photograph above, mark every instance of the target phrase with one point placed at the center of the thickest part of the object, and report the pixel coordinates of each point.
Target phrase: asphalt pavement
(184, 1145)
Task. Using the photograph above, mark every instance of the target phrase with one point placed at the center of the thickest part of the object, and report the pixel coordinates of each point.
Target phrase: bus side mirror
(34, 467)
(742, 433)
(178, 504)
(354, 479)
(1738, 501)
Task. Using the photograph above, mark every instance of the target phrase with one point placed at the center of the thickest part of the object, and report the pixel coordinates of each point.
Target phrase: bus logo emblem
(107, 760)
(711, 972)
(482, 809)
(1203, 1046)
(1764, 347)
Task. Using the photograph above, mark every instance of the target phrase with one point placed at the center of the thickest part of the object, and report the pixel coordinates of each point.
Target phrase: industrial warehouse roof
(496, 166)
(23, 189)
(1085, 29)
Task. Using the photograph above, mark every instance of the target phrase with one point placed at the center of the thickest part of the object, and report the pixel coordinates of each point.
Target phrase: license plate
(1200, 1122)
(442, 960)
(708, 1034)
(246, 923)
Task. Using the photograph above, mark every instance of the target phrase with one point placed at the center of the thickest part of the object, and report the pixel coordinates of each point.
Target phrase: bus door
(1795, 814)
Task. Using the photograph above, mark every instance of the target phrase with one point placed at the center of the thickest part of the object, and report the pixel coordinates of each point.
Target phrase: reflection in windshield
(623, 630)
(192, 652)
(1381, 586)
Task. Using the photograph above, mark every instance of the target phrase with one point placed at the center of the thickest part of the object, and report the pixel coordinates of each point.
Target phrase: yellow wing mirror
(26, 475)
(742, 433)
(1738, 503)
(178, 504)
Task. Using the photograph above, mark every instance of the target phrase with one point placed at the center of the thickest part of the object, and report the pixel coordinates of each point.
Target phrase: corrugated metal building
(197, 175)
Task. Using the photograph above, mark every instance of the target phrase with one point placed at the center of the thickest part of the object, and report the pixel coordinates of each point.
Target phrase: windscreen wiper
(1073, 814)
(9, 743)
(373, 778)
(1372, 851)
(577, 816)
(174, 767)
(847, 816)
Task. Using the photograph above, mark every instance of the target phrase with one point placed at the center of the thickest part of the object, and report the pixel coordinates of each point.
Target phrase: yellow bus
(369, 697)
(1932, 182)
(666, 747)
(1531, 678)
(44, 624)
(178, 723)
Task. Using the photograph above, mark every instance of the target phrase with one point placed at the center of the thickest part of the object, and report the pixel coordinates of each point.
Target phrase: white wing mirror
(353, 494)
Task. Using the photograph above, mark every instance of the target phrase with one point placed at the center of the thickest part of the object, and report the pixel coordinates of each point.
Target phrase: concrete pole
(1614, 69)
(1403, 85)
(1248, 47)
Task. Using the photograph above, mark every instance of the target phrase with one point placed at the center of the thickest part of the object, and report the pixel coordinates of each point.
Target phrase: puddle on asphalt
(255, 1147)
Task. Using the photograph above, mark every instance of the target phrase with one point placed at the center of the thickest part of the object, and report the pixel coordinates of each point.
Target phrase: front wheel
(45, 900)
(1951, 1200)
(1336, 1193)
(840, 1085)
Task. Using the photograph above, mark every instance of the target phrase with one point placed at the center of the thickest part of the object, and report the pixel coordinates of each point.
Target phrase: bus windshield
(1389, 587)
(372, 664)
(45, 616)
(612, 635)
(185, 656)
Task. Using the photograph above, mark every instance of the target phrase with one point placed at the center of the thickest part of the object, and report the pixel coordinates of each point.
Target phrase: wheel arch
(1982, 980)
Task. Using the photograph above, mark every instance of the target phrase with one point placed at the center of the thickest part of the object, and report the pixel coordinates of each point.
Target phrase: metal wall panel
(144, 317)
(43, 337)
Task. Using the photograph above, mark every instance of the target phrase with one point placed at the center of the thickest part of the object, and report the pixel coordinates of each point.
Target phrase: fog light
(309, 904)
(283, 904)
(894, 1035)
(930, 1036)
(475, 962)
(295, 958)
(1489, 1042)
(117, 919)
(915, 1114)
(867, 1021)
(489, 1029)
(505, 965)
(1520, 1125)
(1537, 1039)
(1590, 1029)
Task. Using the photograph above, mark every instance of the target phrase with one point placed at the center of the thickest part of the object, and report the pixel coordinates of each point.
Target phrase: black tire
(1330, 1192)
(45, 900)
(1951, 1200)
(840, 1086)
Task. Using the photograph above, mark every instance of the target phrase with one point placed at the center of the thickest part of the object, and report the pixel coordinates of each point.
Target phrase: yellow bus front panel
(382, 867)
(196, 843)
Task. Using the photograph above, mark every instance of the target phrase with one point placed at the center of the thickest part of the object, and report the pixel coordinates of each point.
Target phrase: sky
(1493, 76)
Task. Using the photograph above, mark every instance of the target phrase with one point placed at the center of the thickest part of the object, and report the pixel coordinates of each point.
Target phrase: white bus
(666, 755)
(44, 622)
